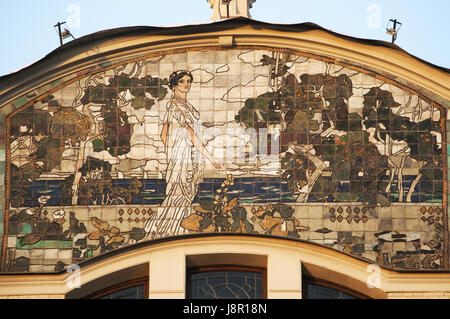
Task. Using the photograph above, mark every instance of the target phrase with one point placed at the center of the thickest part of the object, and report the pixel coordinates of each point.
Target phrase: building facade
(149, 157)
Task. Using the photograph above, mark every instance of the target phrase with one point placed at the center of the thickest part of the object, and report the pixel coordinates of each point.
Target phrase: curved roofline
(206, 28)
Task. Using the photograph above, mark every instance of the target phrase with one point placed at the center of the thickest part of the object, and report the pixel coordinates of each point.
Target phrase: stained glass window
(228, 284)
(136, 292)
(130, 289)
(320, 292)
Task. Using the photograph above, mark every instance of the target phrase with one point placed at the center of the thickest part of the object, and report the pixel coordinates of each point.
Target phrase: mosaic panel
(246, 141)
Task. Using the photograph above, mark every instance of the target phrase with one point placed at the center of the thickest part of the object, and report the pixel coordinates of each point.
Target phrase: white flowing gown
(184, 171)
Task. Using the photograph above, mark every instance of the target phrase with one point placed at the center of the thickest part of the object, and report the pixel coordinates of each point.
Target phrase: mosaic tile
(350, 164)
(19, 102)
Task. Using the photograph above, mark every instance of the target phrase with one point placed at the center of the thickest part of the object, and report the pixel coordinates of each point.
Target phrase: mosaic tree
(54, 138)
(37, 148)
(322, 144)
(407, 143)
(73, 130)
(111, 132)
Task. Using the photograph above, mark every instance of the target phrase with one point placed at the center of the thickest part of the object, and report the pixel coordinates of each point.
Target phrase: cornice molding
(321, 258)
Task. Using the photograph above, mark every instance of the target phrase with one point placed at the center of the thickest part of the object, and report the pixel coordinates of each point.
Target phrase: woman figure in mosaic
(185, 152)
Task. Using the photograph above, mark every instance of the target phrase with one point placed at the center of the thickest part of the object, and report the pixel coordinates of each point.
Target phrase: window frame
(306, 280)
(212, 268)
(121, 286)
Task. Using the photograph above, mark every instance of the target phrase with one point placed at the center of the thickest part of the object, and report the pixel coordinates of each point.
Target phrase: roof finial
(224, 9)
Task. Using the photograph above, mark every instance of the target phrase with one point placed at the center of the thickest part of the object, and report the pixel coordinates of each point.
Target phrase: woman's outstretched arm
(199, 145)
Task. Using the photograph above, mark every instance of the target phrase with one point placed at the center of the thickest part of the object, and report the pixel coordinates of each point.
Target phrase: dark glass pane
(127, 293)
(226, 285)
(320, 292)
(140, 292)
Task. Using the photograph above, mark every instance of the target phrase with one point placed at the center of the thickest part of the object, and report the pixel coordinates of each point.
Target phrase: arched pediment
(304, 134)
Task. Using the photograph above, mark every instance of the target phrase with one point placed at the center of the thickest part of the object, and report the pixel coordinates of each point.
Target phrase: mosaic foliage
(243, 141)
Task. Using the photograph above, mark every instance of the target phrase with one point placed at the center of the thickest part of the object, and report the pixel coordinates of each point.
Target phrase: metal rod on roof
(393, 31)
(227, 2)
(59, 24)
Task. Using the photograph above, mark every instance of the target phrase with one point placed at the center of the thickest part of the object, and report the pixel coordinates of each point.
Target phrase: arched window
(134, 289)
(127, 283)
(320, 289)
(226, 282)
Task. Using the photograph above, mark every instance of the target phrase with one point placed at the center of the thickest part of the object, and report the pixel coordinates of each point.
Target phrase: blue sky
(27, 33)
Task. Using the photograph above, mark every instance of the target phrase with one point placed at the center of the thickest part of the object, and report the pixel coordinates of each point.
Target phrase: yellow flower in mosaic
(200, 209)
(103, 229)
(261, 211)
(230, 205)
(114, 234)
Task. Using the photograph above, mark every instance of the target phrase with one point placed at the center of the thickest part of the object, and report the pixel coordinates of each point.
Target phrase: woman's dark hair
(176, 76)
